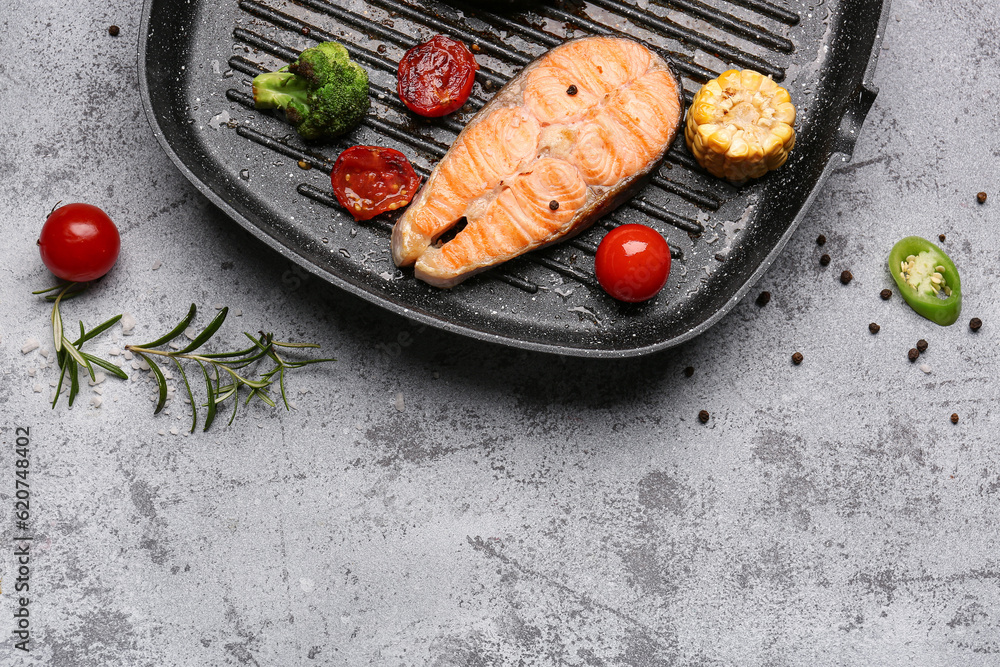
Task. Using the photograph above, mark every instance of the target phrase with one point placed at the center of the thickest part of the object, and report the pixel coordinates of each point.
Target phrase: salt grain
(98, 379)
(925, 368)
(30, 345)
(96, 401)
(38, 388)
(98, 390)
(127, 355)
(114, 352)
(157, 264)
(399, 402)
(128, 324)
(173, 430)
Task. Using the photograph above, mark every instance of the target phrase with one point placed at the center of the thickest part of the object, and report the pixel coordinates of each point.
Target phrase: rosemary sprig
(226, 366)
(70, 354)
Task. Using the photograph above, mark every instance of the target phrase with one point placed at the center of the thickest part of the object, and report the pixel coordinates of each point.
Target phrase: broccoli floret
(323, 93)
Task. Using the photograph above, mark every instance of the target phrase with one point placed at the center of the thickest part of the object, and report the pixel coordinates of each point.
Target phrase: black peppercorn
(846, 276)
(981, 198)
(113, 30)
(941, 238)
(820, 240)
(874, 328)
(572, 90)
(763, 299)
(954, 418)
(554, 205)
(306, 30)
(922, 345)
(975, 323)
(886, 294)
(913, 354)
(703, 416)
(797, 358)
(689, 371)
(824, 260)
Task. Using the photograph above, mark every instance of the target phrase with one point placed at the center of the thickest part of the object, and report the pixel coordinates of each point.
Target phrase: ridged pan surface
(197, 59)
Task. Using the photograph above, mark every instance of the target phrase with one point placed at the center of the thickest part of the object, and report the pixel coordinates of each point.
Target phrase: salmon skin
(565, 142)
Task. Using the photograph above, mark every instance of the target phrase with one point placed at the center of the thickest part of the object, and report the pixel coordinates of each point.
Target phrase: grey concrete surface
(520, 509)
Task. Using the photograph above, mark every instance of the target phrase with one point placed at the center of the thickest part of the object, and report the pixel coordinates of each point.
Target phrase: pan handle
(855, 112)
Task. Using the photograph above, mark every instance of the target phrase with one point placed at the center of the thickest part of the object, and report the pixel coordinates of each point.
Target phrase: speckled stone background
(520, 509)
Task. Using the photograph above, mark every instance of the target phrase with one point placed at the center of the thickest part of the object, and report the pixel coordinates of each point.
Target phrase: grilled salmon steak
(566, 141)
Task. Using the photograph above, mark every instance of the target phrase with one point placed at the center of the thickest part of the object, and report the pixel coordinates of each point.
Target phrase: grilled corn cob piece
(740, 125)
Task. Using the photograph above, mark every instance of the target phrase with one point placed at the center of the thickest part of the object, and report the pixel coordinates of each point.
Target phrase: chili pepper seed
(689, 371)
(763, 299)
(797, 358)
(113, 30)
(975, 323)
(913, 354)
(820, 240)
(824, 260)
(846, 276)
(886, 294)
(703, 416)
(305, 166)
(874, 328)
(981, 197)
(922, 345)
(954, 418)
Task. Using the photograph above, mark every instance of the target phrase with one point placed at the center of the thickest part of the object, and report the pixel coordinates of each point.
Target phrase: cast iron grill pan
(199, 57)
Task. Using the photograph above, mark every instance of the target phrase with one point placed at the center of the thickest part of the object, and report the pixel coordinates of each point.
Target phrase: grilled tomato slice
(368, 180)
(436, 77)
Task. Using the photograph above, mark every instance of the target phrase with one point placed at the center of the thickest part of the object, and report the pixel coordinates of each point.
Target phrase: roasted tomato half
(436, 77)
(368, 180)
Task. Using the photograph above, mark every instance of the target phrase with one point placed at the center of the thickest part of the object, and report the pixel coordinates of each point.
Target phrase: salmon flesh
(563, 143)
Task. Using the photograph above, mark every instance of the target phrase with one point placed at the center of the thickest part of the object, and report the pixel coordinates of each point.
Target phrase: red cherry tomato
(79, 242)
(436, 77)
(632, 263)
(369, 180)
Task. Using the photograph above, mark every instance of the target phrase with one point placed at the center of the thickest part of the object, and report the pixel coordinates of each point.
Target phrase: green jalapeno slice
(927, 279)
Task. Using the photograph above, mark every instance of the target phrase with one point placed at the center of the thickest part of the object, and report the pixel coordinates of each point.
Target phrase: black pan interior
(198, 58)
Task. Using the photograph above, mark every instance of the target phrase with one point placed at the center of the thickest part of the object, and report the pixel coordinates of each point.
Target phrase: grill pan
(197, 59)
